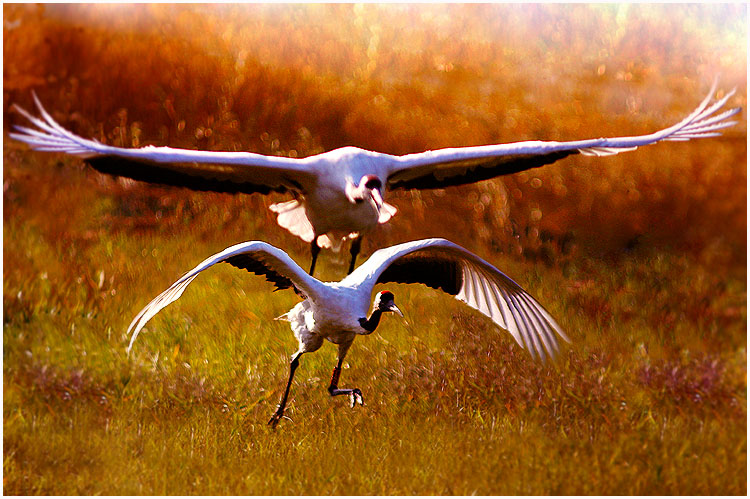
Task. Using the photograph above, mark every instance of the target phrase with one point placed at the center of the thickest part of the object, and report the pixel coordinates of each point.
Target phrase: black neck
(372, 322)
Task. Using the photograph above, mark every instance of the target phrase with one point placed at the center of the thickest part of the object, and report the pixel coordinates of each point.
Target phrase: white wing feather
(429, 169)
(447, 165)
(238, 167)
(271, 257)
(482, 287)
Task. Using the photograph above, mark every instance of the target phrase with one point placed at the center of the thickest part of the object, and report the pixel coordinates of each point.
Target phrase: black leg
(355, 394)
(356, 245)
(282, 404)
(314, 249)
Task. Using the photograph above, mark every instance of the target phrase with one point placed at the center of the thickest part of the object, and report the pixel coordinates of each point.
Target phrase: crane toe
(355, 396)
(275, 419)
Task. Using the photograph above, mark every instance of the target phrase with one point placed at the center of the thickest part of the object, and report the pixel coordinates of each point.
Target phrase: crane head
(370, 187)
(384, 301)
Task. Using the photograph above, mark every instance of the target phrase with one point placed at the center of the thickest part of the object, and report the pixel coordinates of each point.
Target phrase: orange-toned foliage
(297, 80)
(640, 256)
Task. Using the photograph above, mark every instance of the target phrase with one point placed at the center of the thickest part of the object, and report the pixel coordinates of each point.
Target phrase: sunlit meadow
(641, 257)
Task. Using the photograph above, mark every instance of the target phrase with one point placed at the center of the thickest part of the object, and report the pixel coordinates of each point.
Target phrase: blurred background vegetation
(299, 80)
(642, 256)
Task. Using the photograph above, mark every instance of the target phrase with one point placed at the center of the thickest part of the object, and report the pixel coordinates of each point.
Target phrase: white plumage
(340, 194)
(338, 311)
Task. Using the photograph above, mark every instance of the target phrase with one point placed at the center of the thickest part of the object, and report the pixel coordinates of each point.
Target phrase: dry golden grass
(641, 256)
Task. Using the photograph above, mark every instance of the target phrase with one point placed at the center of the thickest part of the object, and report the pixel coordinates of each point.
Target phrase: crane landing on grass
(340, 194)
(337, 311)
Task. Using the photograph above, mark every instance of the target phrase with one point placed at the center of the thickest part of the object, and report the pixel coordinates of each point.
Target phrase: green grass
(640, 257)
(649, 399)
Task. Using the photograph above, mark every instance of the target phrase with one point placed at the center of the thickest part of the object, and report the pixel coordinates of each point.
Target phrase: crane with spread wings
(337, 311)
(341, 194)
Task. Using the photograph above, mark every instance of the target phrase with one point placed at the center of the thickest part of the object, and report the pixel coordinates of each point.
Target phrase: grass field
(641, 257)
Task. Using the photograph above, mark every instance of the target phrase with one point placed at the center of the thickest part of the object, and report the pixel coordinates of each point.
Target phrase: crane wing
(198, 170)
(457, 166)
(254, 256)
(441, 264)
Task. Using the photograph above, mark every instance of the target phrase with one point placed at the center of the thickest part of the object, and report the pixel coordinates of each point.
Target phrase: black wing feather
(155, 173)
(256, 265)
(431, 269)
(484, 170)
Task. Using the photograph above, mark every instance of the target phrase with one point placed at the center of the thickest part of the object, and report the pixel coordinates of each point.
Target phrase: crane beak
(377, 197)
(393, 308)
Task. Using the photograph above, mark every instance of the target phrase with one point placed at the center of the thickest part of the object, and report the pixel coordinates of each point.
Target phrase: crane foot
(275, 419)
(355, 396)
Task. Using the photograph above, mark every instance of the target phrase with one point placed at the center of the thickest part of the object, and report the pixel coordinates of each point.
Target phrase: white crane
(337, 311)
(340, 194)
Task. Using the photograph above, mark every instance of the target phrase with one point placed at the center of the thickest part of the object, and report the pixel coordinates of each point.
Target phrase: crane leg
(355, 395)
(282, 404)
(314, 249)
(356, 245)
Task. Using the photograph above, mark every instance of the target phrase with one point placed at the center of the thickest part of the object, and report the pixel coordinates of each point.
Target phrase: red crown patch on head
(371, 182)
